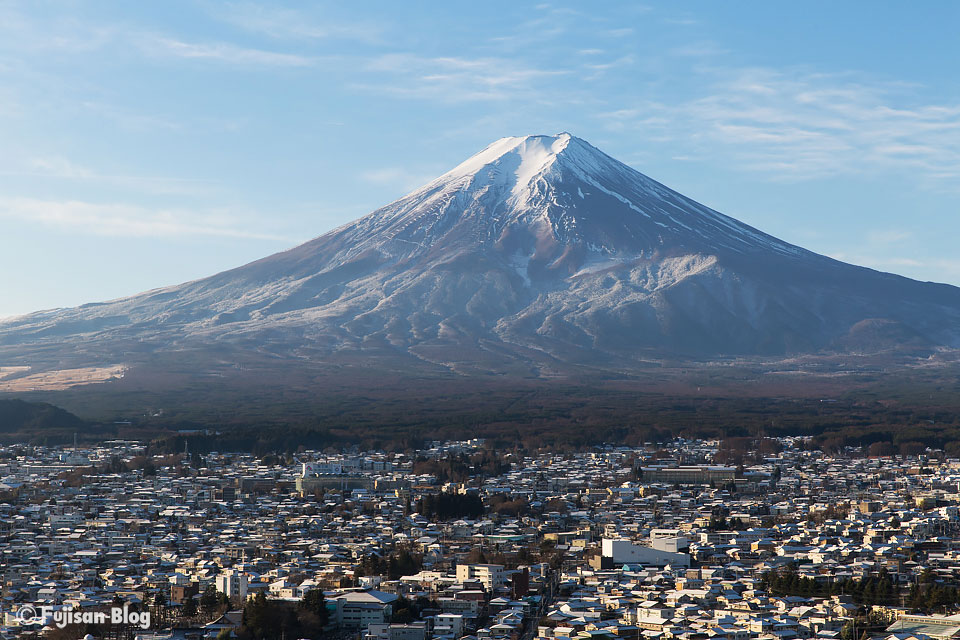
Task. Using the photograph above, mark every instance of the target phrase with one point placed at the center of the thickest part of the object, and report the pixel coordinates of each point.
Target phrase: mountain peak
(532, 155)
(562, 191)
(512, 162)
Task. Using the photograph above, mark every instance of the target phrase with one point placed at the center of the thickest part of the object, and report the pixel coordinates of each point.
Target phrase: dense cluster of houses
(659, 542)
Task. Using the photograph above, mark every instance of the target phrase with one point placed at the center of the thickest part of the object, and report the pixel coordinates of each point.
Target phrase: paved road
(545, 603)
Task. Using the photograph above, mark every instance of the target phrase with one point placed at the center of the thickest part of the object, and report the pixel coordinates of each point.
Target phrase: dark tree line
(514, 506)
(719, 522)
(459, 468)
(870, 590)
(450, 506)
(929, 595)
(265, 619)
(396, 565)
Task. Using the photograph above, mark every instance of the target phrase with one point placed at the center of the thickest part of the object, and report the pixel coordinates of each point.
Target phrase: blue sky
(146, 144)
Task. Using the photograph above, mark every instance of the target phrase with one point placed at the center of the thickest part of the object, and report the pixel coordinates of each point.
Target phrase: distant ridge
(19, 416)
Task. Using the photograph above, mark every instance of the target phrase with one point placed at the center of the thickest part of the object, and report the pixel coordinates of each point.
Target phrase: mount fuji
(538, 255)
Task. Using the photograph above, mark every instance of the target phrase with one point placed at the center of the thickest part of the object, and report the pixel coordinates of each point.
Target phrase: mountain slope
(539, 250)
(17, 416)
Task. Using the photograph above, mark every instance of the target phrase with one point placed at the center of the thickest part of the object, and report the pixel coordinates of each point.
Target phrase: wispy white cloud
(920, 266)
(798, 125)
(60, 168)
(903, 251)
(127, 220)
(284, 23)
(886, 237)
(221, 52)
(699, 50)
(129, 119)
(681, 21)
(622, 61)
(19, 34)
(57, 166)
(399, 177)
(56, 34)
(453, 79)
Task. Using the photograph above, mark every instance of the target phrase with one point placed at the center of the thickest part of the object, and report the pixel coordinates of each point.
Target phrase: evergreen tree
(315, 604)
(160, 606)
(211, 600)
(189, 609)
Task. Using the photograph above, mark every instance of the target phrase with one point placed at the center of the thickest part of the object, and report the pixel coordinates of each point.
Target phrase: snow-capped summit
(539, 195)
(522, 159)
(536, 249)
